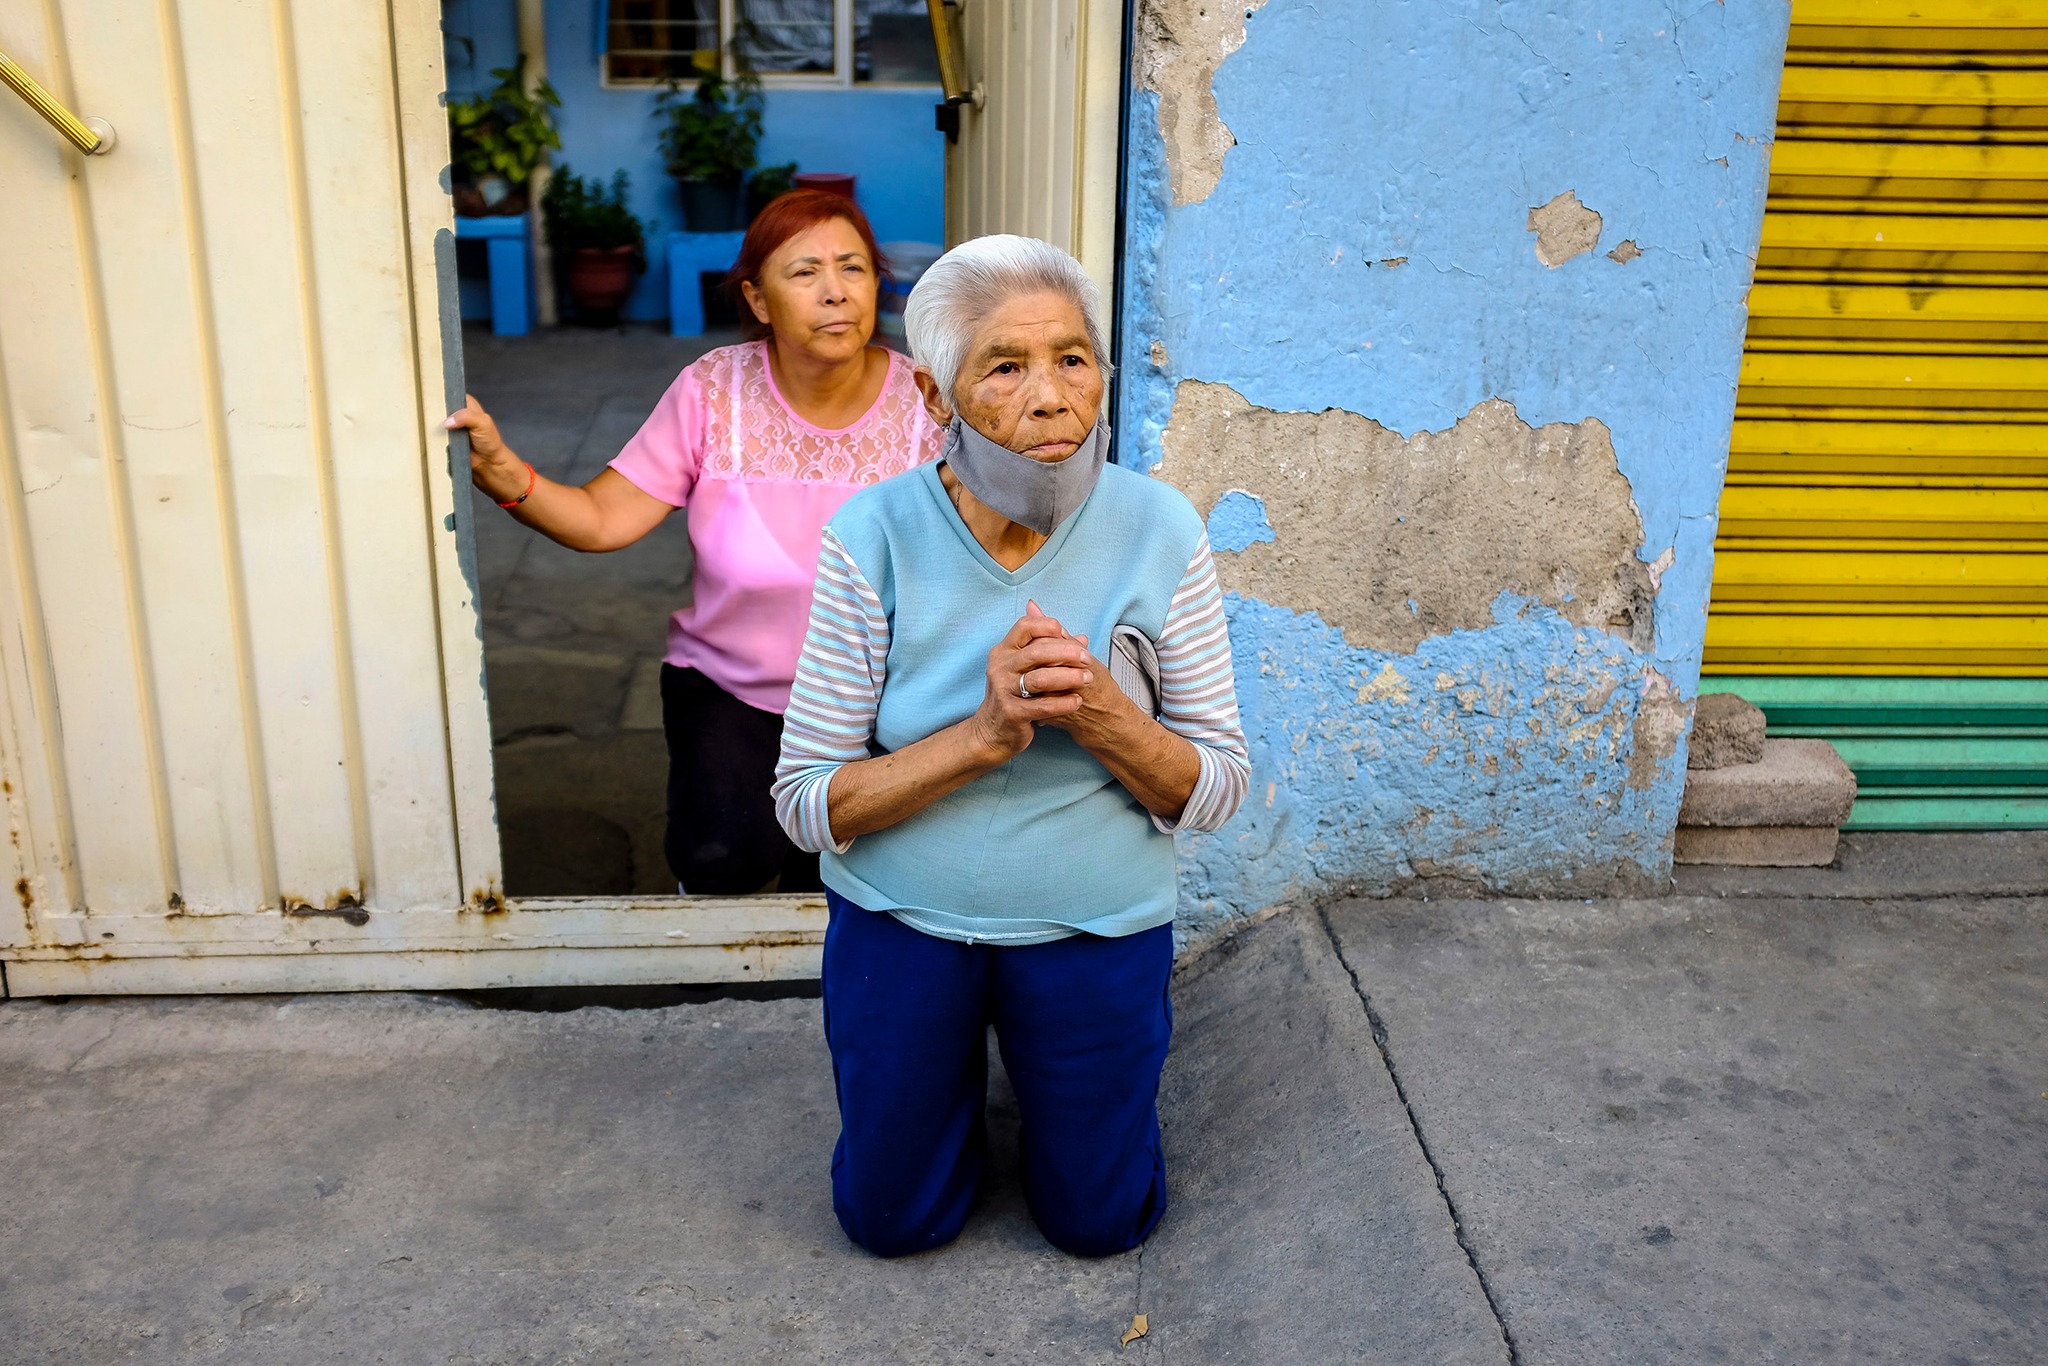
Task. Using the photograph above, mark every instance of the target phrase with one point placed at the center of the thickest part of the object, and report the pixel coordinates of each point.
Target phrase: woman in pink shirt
(762, 442)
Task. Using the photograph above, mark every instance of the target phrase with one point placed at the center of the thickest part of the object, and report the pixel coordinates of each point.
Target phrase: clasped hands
(1038, 674)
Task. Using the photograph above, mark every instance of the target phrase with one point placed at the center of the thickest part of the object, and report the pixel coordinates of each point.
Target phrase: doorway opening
(574, 643)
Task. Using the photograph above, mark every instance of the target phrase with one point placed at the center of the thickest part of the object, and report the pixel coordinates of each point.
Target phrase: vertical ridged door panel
(228, 519)
(1037, 157)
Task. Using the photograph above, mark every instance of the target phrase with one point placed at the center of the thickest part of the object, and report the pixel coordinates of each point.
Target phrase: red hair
(785, 216)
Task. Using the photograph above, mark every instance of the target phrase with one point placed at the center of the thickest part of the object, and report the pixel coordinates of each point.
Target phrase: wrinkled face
(1030, 381)
(818, 291)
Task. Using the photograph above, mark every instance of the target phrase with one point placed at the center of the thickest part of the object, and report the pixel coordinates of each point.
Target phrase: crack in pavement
(93, 1047)
(1443, 1190)
(1138, 1301)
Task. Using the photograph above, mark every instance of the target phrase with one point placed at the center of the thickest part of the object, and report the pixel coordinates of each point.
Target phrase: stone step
(1796, 782)
(1756, 846)
(1726, 731)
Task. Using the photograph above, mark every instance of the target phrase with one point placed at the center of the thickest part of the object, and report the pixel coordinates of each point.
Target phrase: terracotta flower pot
(600, 280)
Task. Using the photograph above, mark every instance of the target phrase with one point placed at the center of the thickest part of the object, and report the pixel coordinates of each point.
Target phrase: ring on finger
(1022, 691)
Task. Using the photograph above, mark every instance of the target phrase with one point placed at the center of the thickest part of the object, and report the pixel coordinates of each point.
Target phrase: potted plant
(601, 246)
(497, 138)
(765, 184)
(708, 144)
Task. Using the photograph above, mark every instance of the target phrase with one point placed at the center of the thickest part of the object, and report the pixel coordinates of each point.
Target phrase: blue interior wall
(1428, 130)
(479, 36)
(881, 134)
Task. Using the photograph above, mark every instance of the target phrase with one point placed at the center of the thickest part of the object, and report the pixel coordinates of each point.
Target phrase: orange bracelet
(532, 478)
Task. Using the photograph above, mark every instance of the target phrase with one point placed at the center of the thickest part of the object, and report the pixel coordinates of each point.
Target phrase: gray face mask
(1035, 493)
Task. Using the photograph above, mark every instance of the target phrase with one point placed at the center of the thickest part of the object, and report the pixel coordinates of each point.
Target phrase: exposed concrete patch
(1661, 566)
(1660, 723)
(1625, 253)
(1394, 540)
(1564, 228)
(1180, 43)
(1385, 686)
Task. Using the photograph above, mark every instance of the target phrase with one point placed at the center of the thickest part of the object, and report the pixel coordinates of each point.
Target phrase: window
(788, 42)
(892, 41)
(787, 37)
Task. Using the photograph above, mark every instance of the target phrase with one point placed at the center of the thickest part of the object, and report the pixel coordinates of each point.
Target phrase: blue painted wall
(479, 37)
(1427, 130)
(881, 134)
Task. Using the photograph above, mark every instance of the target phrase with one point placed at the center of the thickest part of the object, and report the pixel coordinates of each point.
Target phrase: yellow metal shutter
(1887, 501)
(1886, 511)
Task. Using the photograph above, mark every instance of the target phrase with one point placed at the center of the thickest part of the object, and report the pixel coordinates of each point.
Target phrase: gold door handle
(958, 86)
(90, 136)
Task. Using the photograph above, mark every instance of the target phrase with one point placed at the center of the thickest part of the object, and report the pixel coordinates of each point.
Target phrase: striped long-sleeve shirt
(904, 611)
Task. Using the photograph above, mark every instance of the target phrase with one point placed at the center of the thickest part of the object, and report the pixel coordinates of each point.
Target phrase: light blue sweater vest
(1050, 843)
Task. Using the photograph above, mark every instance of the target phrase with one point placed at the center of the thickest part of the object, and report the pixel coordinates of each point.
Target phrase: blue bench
(690, 254)
(511, 269)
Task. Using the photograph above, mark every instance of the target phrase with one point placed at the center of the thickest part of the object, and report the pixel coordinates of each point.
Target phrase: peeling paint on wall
(1393, 540)
(1489, 476)
(1497, 759)
(1181, 43)
(1564, 228)
(1661, 720)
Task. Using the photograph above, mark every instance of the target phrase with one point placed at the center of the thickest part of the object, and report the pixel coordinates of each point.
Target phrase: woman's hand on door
(605, 514)
(492, 465)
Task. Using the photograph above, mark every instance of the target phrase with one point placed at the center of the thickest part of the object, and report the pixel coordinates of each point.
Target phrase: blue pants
(1083, 1024)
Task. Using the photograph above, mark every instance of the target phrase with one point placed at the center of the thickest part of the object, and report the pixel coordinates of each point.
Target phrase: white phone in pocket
(1134, 667)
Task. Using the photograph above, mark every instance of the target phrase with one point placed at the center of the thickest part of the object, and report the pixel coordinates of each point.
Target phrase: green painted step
(1928, 753)
(1906, 759)
(1800, 700)
(1912, 809)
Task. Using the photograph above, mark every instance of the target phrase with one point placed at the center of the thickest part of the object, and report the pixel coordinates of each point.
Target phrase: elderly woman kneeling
(995, 803)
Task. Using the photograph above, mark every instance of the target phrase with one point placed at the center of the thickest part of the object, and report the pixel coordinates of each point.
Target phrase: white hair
(973, 279)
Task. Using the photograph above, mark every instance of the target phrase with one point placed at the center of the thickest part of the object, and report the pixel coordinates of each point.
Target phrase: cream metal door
(228, 521)
(246, 745)
(1037, 151)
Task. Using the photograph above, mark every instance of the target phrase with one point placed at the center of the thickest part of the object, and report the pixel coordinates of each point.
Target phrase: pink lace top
(760, 484)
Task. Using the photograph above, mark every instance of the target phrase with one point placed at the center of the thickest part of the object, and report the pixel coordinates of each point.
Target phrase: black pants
(722, 836)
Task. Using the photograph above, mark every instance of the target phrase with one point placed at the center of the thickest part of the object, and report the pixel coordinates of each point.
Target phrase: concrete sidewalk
(410, 1179)
(1707, 1128)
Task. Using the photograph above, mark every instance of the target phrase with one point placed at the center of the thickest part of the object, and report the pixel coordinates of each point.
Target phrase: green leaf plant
(581, 212)
(712, 132)
(504, 131)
